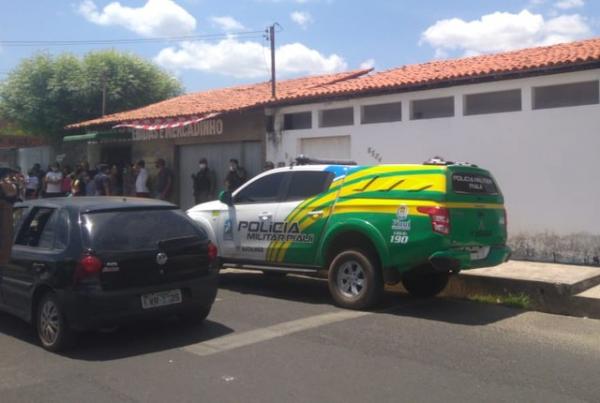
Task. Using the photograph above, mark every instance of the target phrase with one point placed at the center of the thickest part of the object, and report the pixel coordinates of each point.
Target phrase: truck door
(251, 219)
(304, 212)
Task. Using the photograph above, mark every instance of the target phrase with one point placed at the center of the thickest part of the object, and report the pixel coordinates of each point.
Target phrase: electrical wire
(49, 43)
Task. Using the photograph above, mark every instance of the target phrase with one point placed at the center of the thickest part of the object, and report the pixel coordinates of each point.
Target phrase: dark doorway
(119, 155)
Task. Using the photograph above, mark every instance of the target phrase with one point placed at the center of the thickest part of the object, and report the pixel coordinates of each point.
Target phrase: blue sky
(317, 36)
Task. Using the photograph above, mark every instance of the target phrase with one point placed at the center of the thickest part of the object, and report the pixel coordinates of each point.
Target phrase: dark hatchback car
(92, 262)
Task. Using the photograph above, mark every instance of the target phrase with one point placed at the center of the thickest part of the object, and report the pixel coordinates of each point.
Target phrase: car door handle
(315, 213)
(265, 216)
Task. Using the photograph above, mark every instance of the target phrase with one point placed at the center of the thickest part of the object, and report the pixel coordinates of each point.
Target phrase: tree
(45, 93)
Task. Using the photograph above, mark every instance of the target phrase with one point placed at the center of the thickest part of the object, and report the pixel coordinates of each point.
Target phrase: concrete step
(550, 287)
(558, 278)
(586, 303)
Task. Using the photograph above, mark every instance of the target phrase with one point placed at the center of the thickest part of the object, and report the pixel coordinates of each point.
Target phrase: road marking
(243, 339)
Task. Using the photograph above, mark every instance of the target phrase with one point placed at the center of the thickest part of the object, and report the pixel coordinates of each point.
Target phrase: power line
(49, 43)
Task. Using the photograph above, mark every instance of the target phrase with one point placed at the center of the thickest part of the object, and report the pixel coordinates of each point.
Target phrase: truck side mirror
(226, 197)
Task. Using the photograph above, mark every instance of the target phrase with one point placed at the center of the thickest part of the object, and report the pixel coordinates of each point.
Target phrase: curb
(556, 298)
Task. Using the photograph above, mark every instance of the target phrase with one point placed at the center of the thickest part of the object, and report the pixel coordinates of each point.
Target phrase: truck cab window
(264, 190)
(308, 184)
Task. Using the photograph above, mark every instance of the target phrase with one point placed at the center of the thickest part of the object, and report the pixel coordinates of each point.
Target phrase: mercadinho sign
(211, 127)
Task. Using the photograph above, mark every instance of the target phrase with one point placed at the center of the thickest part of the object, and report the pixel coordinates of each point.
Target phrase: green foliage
(513, 300)
(45, 93)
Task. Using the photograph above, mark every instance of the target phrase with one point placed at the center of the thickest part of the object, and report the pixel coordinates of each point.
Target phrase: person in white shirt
(141, 180)
(53, 181)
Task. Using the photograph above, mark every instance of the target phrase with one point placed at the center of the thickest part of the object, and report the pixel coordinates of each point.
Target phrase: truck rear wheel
(425, 284)
(355, 281)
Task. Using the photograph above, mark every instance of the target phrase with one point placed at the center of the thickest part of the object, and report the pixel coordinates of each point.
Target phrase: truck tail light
(440, 218)
(213, 252)
(88, 266)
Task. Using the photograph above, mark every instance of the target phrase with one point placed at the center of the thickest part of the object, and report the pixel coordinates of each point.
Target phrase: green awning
(98, 136)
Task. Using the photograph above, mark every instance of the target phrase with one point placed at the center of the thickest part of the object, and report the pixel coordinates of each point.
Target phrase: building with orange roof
(531, 116)
(527, 115)
(218, 125)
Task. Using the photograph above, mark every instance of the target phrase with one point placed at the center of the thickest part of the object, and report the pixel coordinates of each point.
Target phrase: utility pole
(272, 41)
(103, 79)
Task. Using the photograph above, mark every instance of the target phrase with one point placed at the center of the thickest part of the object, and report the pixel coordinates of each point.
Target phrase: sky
(221, 43)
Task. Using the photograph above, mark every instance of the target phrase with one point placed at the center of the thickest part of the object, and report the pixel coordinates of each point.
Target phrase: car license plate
(162, 298)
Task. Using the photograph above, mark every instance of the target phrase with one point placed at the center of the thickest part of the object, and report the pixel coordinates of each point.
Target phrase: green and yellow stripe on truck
(373, 195)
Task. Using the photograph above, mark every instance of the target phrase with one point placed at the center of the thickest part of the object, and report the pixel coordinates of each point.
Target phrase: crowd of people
(130, 180)
(103, 180)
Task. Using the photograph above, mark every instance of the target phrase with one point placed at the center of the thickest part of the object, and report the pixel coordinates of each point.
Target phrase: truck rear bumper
(459, 259)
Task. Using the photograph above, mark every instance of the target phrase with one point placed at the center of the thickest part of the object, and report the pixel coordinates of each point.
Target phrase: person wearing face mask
(236, 175)
(204, 182)
(53, 181)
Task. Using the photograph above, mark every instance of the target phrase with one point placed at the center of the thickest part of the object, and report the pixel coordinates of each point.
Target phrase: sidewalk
(553, 288)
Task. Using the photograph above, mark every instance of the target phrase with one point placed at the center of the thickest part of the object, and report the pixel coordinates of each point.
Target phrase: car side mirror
(226, 197)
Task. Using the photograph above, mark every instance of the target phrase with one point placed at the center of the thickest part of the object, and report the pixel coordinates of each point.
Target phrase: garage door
(249, 154)
(333, 148)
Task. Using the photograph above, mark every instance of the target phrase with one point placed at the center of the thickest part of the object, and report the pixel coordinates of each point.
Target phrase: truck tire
(425, 284)
(52, 328)
(355, 281)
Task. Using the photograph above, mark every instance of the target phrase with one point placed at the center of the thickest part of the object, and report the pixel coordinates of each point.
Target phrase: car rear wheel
(52, 328)
(194, 317)
(425, 284)
(355, 281)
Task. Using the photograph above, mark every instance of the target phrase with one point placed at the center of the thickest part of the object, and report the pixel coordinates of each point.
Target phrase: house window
(380, 113)
(432, 108)
(493, 102)
(297, 121)
(556, 96)
(336, 117)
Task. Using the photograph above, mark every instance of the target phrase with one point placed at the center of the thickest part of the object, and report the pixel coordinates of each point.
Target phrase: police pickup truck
(362, 226)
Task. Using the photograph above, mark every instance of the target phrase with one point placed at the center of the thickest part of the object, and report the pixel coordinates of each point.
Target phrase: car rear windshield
(473, 183)
(135, 230)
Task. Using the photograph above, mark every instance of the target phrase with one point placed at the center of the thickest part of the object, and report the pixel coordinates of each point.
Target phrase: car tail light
(440, 218)
(88, 266)
(212, 251)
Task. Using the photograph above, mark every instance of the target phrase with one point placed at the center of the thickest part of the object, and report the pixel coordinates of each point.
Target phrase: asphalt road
(282, 340)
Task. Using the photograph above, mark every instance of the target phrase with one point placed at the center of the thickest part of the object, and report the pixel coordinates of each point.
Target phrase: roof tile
(358, 81)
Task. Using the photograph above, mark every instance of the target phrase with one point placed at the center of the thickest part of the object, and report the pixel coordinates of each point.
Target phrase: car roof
(98, 203)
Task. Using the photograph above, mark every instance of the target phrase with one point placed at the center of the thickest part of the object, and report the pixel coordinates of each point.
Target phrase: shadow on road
(141, 338)
(292, 288)
(315, 291)
(449, 310)
(134, 339)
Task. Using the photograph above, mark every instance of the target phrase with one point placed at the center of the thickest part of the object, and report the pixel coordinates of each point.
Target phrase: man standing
(102, 181)
(8, 195)
(204, 182)
(236, 175)
(53, 181)
(141, 180)
(164, 181)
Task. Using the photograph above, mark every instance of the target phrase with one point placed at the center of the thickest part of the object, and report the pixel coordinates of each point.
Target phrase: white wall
(27, 157)
(546, 161)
